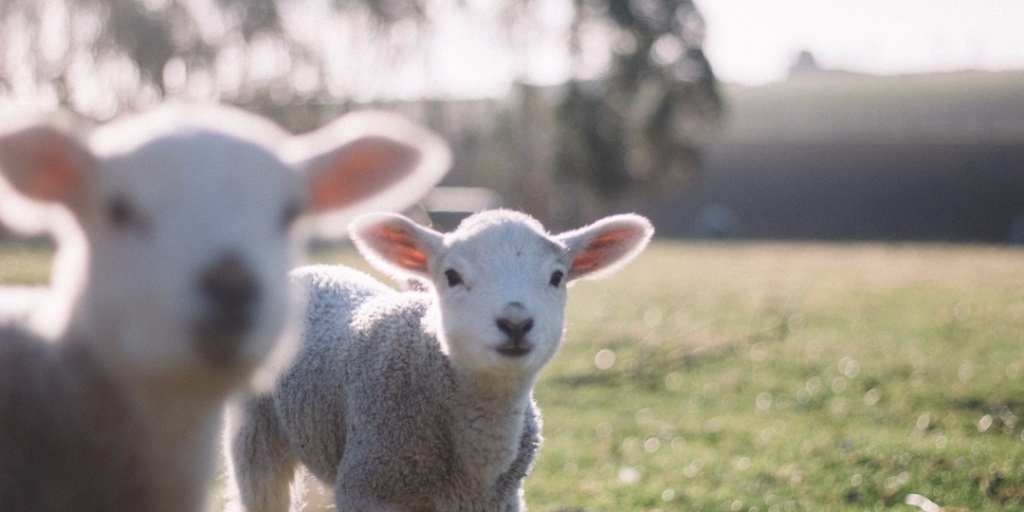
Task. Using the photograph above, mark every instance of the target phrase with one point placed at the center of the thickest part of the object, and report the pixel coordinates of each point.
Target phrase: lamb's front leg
(351, 502)
(364, 486)
(260, 462)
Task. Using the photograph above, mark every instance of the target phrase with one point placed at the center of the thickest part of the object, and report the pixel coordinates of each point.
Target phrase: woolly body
(420, 400)
(170, 291)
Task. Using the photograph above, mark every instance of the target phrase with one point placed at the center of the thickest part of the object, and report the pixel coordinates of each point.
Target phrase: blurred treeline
(637, 100)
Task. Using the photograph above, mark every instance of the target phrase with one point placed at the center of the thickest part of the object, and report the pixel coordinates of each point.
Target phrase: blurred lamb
(176, 232)
(19, 303)
(423, 400)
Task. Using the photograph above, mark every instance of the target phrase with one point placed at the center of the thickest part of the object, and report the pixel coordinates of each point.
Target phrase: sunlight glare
(756, 42)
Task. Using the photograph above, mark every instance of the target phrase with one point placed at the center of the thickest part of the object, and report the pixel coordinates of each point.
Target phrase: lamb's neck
(178, 432)
(490, 423)
(501, 391)
(184, 433)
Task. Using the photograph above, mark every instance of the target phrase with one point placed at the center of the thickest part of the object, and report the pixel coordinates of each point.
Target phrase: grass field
(777, 377)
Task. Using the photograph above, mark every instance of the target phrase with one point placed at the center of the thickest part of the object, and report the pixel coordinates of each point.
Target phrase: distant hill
(854, 157)
(815, 107)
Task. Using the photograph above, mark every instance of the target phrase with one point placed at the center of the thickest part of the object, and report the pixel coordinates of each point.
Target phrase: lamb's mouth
(514, 349)
(220, 336)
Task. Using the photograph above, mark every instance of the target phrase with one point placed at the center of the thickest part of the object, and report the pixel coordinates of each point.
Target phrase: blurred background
(881, 120)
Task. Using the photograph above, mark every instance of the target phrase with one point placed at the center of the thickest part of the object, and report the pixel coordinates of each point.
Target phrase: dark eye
(122, 214)
(454, 279)
(289, 215)
(556, 278)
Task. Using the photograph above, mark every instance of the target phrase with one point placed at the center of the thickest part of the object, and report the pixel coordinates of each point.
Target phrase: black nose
(515, 329)
(229, 285)
(231, 292)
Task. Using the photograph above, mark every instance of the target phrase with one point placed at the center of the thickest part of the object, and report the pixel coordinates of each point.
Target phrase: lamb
(422, 400)
(19, 302)
(176, 231)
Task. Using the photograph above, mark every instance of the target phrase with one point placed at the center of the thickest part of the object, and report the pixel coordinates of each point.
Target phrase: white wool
(170, 290)
(422, 400)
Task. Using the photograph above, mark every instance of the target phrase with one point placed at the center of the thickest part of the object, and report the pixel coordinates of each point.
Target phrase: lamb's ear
(602, 247)
(394, 244)
(367, 161)
(41, 163)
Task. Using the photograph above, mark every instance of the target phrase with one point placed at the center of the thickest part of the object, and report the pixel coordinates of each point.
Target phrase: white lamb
(176, 232)
(18, 303)
(422, 401)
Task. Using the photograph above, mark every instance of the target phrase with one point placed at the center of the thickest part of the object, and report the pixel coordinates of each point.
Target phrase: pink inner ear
(399, 247)
(360, 170)
(57, 184)
(602, 250)
(45, 165)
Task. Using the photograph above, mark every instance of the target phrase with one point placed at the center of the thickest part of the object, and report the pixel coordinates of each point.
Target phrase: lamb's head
(499, 278)
(190, 220)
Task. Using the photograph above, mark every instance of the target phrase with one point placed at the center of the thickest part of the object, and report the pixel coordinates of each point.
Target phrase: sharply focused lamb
(176, 231)
(423, 400)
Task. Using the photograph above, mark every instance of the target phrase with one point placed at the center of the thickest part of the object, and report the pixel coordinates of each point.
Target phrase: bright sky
(747, 41)
(755, 41)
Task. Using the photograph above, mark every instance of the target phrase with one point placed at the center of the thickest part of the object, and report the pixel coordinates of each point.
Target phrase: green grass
(24, 262)
(790, 377)
(775, 377)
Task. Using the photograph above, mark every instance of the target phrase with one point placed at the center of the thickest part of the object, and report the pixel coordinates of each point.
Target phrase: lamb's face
(501, 292)
(197, 227)
(499, 278)
(185, 216)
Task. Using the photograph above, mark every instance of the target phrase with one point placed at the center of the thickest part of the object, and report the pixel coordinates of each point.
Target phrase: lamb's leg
(260, 463)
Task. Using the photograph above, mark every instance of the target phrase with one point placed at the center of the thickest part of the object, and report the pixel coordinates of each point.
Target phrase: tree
(101, 57)
(629, 125)
(636, 131)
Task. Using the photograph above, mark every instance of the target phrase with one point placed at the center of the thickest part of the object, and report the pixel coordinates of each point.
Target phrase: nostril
(228, 283)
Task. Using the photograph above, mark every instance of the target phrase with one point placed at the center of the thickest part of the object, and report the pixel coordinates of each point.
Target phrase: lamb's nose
(515, 329)
(231, 292)
(229, 285)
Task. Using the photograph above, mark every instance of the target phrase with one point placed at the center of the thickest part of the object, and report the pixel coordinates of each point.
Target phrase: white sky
(755, 41)
(747, 41)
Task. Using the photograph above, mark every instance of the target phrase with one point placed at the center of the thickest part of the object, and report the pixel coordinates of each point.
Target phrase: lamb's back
(364, 357)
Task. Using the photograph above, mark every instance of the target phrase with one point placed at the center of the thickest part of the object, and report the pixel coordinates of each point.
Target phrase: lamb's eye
(122, 214)
(454, 279)
(289, 215)
(556, 278)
